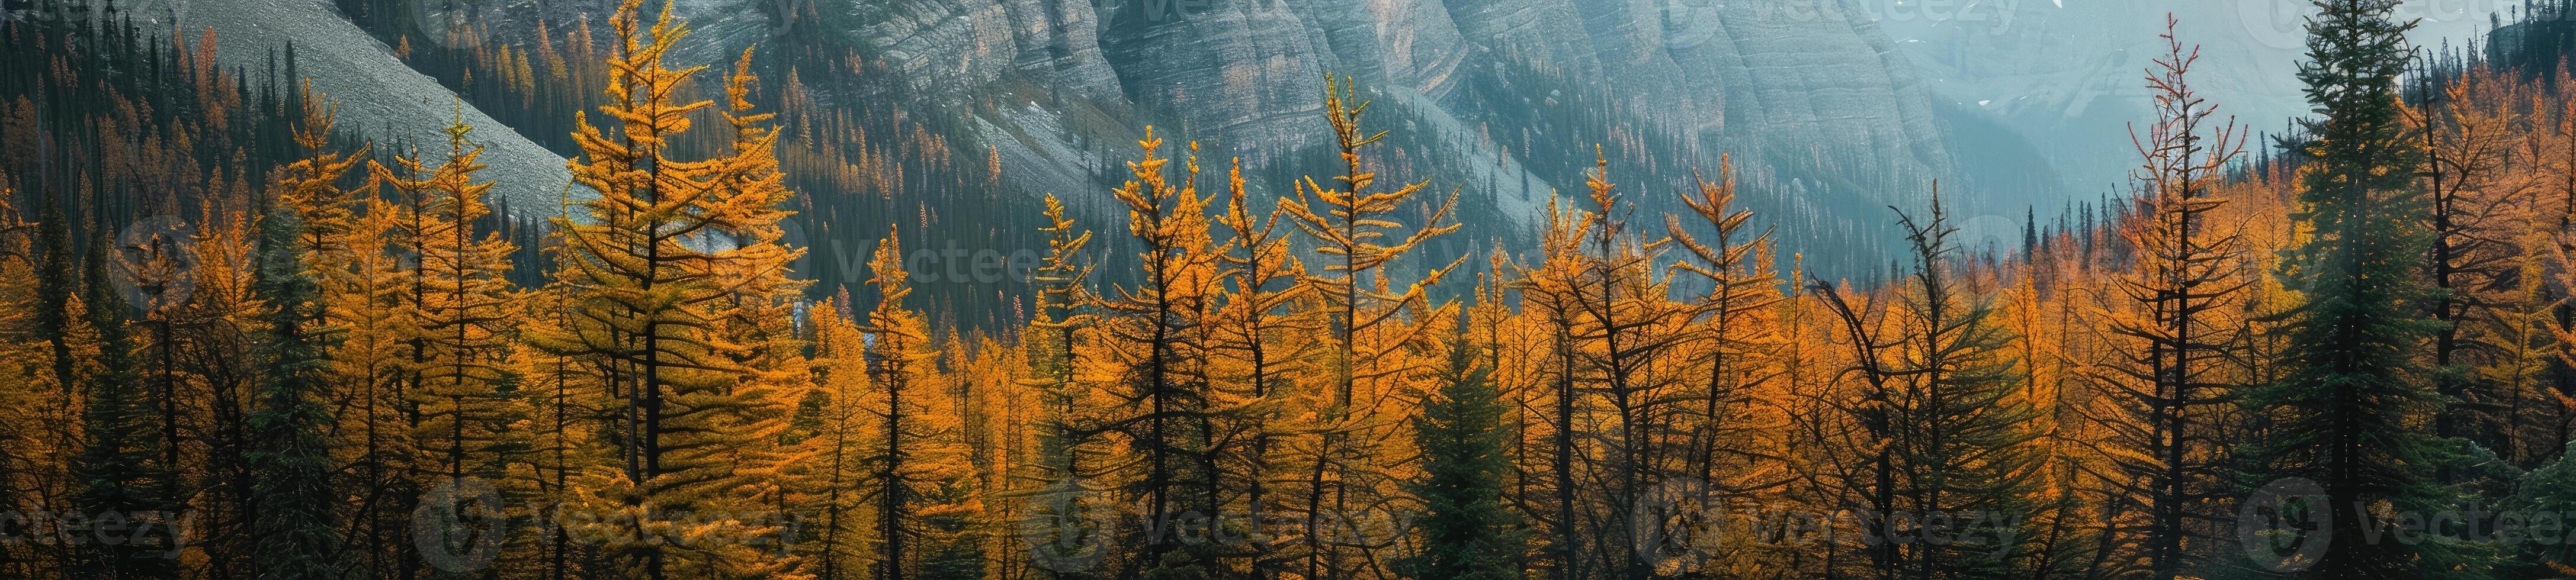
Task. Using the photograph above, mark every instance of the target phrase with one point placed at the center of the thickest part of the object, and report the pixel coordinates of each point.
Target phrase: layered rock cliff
(1805, 94)
(1242, 74)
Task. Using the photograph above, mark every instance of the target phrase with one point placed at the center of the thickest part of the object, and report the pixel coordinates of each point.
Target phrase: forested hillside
(240, 338)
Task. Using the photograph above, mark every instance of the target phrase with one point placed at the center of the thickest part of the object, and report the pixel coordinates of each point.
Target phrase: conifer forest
(1282, 290)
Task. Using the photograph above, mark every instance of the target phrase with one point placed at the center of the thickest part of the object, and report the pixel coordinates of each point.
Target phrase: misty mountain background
(2066, 77)
(1830, 110)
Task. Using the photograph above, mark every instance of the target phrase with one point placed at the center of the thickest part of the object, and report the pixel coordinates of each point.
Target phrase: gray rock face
(1812, 77)
(1242, 73)
(951, 49)
(378, 96)
(1819, 76)
(1742, 74)
(1058, 44)
(943, 48)
(1544, 31)
(1407, 44)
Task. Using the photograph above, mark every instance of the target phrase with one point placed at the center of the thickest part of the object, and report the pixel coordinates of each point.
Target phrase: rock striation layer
(1808, 79)
(1783, 76)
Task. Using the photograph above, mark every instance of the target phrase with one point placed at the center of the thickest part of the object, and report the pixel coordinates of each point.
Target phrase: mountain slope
(1504, 100)
(378, 96)
(1243, 74)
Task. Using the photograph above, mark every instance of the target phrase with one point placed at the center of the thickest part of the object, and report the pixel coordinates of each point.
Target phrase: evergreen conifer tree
(292, 521)
(54, 287)
(118, 468)
(1468, 531)
(296, 288)
(1944, 422)
(2349, 414)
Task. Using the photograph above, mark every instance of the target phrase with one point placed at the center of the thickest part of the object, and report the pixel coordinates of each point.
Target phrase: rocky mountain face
(1812, 99)
(1243, 73)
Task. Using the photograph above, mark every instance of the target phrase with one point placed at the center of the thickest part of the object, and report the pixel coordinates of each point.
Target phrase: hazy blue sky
(2067, 73)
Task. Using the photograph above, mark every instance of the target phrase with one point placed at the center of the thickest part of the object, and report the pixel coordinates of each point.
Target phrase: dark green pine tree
(291, 469)
(2350, 412)
(54, 287)
(952, 550)
(2029, 233)
(115, 468)
(1953, 418)
(2551, 489)
(1960, 418)
(1467, 531)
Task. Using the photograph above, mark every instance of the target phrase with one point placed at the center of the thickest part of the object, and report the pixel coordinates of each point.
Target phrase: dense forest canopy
(755, 337)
